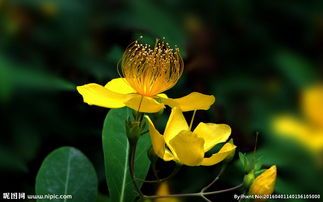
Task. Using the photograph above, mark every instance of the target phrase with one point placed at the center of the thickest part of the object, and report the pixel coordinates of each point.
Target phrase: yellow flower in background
(312, 104)
(163, 189)
(146, 74)
(264, 184)
(307, 131)
(291, 127)
(182, 145)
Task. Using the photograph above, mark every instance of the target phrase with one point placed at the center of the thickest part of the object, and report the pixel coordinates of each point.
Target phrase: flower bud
(133, 130)
(264, 184)
(249, 178)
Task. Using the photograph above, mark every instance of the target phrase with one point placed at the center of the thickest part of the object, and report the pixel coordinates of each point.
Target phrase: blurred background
(263, 61)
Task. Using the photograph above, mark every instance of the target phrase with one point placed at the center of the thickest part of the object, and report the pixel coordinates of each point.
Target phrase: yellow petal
(162, 190)
(175, 124)
(312, 99)
(290, 127)
(162, 95)
(188, 148)
(168, 156)
(95, 94)
(157, 141)
(190, 102)
(120, 85)
(143, 103)
(225, 151)
(212, 134)
(264, 184)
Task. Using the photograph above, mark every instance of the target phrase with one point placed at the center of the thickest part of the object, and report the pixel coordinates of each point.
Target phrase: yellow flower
(151, 71)
(146, 74)
(312, 104)
(163, 189)
(264, 184)
(308, 132)
(180, 144)
(301, 131)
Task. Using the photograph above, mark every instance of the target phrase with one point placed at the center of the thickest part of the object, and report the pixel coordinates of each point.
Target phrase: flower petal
(120, 85)
(162, 95)
(312, 99)
(212, 134)
(158, 142)
(147, 104)
(95, 94)
(176, 123)
(163, 189)
(168, 156)
(264, 184)
(288, 126)
(225, 151)
(190, 102)
(188, 148)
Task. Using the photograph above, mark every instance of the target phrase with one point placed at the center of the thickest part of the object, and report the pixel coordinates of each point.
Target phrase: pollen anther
(151, 71)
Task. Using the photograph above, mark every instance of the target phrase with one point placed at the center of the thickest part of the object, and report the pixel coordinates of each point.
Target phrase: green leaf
(116, 151)
(258, 163)
(258, 172)
(102, 198)
(243, 160)
(67, 171)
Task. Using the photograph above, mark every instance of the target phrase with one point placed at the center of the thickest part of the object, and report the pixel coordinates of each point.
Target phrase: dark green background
(255, 56)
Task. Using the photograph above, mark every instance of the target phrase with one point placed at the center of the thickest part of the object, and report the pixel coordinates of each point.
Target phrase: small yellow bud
(264, 184)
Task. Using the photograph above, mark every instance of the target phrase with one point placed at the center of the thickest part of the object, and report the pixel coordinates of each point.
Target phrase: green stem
(175, 171)
(140, 104)
(254, 150)
(201, 194)
(216, 178)
(133, 146)
(155, 171)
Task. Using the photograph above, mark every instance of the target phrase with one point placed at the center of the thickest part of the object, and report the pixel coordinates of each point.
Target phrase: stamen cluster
(151, 70)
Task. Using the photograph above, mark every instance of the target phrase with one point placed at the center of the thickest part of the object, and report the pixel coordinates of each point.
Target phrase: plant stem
(155, 170)
(140, 104)
(216, 178)
(195, 194)
(133, 145)
(175, 171)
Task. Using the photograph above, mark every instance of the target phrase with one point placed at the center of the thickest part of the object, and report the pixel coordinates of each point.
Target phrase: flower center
(151, 71)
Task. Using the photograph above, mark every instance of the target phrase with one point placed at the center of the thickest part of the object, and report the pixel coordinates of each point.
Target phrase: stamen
(140, 103)
(151, 71)
(192, 120)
